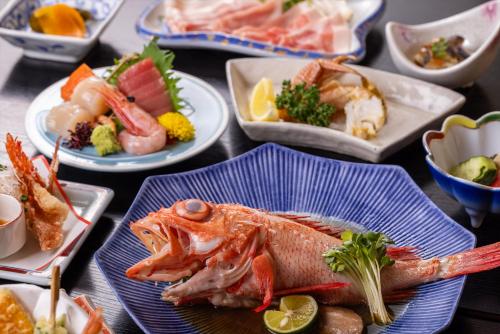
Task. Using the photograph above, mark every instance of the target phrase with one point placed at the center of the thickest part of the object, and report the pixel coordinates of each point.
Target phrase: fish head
(193, 235)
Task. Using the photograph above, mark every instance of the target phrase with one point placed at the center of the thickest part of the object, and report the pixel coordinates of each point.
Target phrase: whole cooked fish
(237, 256)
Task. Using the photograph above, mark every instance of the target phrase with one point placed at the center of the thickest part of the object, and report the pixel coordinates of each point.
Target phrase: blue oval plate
(205, 108)
(366, 14)
(377, 197)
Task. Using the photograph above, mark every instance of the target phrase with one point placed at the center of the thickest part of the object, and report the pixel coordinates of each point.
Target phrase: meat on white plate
(144, 83)
(320, 25)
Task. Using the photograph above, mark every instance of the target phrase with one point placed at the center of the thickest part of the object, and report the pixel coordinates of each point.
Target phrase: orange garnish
(60, 19)
(81, 73)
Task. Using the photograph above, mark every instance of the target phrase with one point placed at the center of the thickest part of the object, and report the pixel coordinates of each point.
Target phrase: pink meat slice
(302, 27)
(145, 84)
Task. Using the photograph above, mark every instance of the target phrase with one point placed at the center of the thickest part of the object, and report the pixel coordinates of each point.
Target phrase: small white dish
(12, 227)
(14, 28)
(480, 27)
(412, 106)
(87, 203)
(36, 302)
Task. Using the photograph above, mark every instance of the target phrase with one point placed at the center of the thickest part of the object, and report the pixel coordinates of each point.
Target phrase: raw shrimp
(64, 117)
(142, 134)
(88, 98)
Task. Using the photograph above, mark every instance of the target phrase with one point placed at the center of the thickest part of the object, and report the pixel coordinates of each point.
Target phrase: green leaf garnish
(23, 198)
(439, 48)
(163, 61)
(361, 257)
(287, 4)
(302, 103)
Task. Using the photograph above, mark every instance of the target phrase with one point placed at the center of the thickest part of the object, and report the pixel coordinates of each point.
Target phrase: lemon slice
(262, 104)
(296, 313)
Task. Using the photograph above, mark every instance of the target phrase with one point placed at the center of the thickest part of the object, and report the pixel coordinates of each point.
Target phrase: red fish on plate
(237, 256)
(145, 84)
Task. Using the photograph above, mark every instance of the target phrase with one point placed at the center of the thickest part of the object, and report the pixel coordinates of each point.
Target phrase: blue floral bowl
(15, 29)
(460, 139)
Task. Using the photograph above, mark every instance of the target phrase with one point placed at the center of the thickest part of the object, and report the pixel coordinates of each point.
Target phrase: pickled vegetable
(479, 169)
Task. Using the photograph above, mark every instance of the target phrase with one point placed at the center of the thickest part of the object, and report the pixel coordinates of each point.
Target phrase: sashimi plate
(205, 108)
(374, 197)
(412, 107)
(151, 23)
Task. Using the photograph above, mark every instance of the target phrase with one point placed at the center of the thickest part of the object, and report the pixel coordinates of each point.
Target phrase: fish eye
(193, 209)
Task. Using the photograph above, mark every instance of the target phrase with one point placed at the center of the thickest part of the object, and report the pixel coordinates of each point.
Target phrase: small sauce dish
(480, 28)
(12, 226)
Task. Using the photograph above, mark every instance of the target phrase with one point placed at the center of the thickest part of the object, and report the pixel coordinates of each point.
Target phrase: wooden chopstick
(55, 284)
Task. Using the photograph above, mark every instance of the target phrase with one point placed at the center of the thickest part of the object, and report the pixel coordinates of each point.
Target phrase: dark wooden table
(21, 79)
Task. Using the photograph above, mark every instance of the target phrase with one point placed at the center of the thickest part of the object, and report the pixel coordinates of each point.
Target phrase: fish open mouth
(175, 253)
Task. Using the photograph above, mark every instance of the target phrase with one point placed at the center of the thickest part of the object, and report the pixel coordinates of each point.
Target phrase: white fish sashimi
(64, 117)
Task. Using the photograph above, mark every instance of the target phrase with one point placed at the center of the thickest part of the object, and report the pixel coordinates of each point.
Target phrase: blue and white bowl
(376, 197)
(15, 28)
(460, 139)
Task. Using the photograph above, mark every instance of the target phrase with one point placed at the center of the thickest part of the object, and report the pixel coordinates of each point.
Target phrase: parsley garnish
(23, 198)
(439, 48)
(302, 104)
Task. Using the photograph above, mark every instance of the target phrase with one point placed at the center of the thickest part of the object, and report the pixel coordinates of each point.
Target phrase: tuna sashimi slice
(144, 82)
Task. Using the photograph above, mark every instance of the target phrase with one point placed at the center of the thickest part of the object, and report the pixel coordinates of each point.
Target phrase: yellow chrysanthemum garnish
(177, 125)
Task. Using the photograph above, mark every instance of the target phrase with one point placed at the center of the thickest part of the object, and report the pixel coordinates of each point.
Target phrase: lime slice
(262, 102)
(296, 313)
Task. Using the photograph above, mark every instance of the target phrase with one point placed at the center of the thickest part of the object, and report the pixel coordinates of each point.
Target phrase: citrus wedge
(262, 102)
(295, 315)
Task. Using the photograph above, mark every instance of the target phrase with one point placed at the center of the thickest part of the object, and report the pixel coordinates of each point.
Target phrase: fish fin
(311, 288)
(328, 229)
(400, 296)
(262, 267)
(472, 261)
(403, 253)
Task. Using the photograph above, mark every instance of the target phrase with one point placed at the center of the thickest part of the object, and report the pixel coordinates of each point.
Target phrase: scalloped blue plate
(366, 14)
(377, 197)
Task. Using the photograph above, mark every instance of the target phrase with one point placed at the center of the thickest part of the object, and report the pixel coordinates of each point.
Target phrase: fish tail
(471, 261)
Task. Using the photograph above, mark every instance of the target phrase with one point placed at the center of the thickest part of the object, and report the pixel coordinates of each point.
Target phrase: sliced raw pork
(318, 25)
(144, 82)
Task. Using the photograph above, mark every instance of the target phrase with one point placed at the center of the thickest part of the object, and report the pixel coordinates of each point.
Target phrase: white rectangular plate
(30, 264)
(413, 106)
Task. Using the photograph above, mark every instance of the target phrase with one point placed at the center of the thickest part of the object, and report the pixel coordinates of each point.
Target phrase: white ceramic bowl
(13, 232)
(14, 28)
(480, 27)
(36, 302)
(460, 139)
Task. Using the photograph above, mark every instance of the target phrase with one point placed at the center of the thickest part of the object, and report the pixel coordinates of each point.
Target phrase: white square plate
(87, 203)
(413, 106)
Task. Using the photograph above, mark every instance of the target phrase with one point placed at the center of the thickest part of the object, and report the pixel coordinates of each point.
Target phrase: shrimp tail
(118, 102)
(471, 261)
(25, 170)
